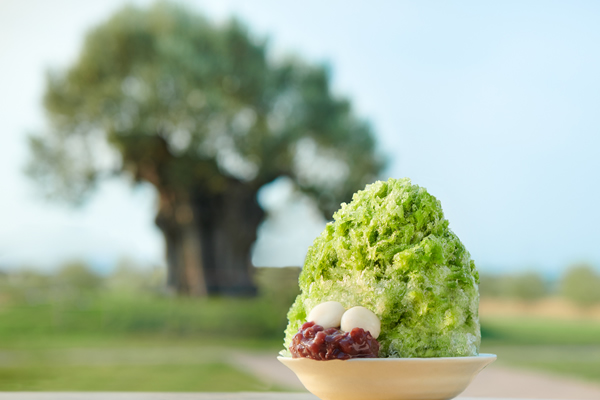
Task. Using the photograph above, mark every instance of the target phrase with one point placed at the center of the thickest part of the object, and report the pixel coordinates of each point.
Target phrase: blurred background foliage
(74, 329)
(206, 115)
(527, 286)
(579, 285)
(134, 299)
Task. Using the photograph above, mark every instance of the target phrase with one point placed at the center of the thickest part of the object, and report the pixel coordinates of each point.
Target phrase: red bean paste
(312, 341)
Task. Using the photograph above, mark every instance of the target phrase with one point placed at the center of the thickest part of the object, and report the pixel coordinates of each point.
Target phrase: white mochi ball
(360, 317)
(328, 314)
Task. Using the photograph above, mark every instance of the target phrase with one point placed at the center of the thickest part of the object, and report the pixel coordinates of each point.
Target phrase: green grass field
(570, 348)
(540, 331)
(212, 377)
(110, 342)
(130, 344)
(107, 341)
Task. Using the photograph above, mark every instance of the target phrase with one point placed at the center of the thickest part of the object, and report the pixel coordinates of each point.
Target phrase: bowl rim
(398, 359)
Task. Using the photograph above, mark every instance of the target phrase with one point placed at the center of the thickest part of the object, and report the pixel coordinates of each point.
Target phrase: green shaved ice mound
(390, 250)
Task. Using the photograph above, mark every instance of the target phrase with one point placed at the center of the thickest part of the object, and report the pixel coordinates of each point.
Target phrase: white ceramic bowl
(388, 378)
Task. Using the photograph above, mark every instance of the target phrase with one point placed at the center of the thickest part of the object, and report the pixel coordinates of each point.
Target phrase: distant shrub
(527, 286)
(581, 285)
(78, 276)
(133, 278)
(26, 286)
(491, 286)
(279, 284)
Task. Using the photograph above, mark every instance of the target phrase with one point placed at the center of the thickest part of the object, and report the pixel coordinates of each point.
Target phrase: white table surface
(169, 396)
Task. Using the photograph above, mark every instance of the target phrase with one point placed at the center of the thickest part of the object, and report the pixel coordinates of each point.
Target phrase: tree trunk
(208, 240)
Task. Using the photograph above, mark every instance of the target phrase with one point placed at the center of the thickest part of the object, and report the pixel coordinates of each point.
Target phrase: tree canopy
(195, 108)
(211, 92)
(581, 285)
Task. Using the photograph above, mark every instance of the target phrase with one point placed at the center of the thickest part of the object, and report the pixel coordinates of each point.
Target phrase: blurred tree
(201, 112)
(527, 286)
(491, 286)
(581, 285)
(78, 276)
(130, 278)
(280, 285)
(26, 286)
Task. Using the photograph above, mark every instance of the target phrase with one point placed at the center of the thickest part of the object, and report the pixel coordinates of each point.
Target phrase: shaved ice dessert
(391, 251)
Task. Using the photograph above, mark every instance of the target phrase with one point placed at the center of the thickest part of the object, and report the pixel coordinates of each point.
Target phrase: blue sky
(492, 106)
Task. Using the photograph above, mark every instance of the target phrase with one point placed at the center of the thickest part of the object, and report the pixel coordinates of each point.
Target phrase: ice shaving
(386, 278)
